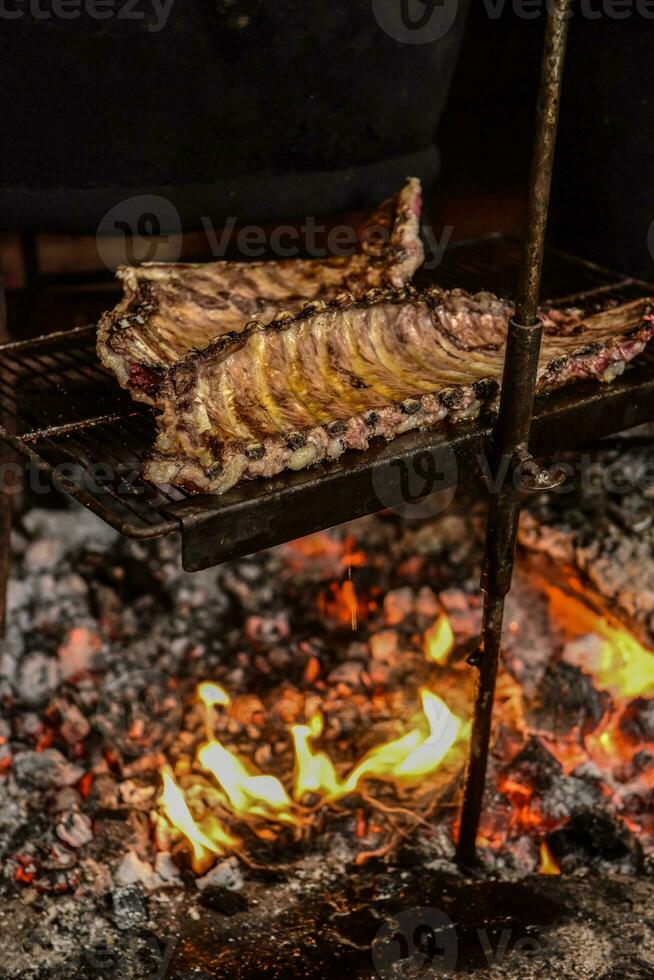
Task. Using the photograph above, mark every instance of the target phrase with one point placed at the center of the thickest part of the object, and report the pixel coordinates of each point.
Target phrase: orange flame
(547, 863)
(342, 604)
(249, 793)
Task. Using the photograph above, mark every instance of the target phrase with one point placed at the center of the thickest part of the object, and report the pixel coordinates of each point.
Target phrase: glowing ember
(322, 545)
(342, 604)
(439, 640)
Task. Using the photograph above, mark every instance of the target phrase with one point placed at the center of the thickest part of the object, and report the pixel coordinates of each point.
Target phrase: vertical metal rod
(514, 422)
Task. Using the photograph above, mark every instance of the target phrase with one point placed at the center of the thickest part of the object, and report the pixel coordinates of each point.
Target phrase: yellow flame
(212, 694)
(439, 640)
(248, 792)
(411, 756)
(624, 667)
(414, 754)
(314, 771)
(177, 811)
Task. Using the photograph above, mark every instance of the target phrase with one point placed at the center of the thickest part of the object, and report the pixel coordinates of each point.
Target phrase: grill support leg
(512, 432)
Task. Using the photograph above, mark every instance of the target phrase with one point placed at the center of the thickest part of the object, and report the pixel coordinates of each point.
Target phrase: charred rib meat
(311, 385)
(168, 310)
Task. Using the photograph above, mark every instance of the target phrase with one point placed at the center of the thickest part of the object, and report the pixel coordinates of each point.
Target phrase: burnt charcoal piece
(223, 900)
(168, 310)
(534, 766)
(128, 907)
(637, 721)
(596, 840)
(566, 698)
(295, 375)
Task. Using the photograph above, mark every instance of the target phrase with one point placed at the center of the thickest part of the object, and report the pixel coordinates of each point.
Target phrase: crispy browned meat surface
(311, 385)
(168, 310)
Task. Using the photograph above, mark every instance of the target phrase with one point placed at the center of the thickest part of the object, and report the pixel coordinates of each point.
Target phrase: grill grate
(67, 416)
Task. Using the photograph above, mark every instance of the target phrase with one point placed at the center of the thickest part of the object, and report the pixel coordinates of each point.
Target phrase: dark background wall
(230, 90)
